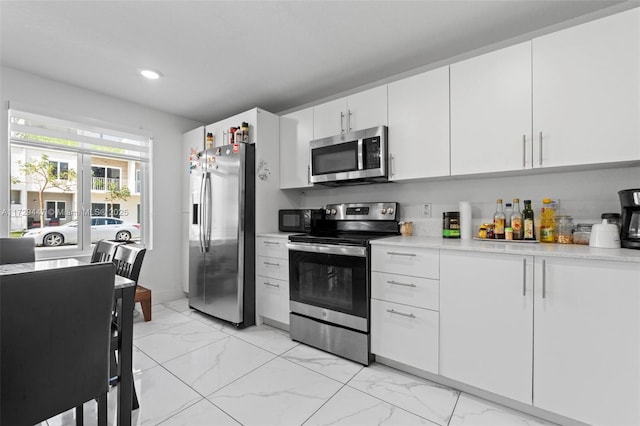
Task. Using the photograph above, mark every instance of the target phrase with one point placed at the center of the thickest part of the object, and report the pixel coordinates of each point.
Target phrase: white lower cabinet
(404, 305)
(406, 334)
(486, 321)
(272, 278)
(587, 340)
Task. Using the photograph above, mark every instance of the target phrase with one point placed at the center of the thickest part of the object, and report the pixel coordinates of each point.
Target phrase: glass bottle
(499, 221)
(508, 211)
(548, 221)
(528, 224)
(516, 220)
(564, 230)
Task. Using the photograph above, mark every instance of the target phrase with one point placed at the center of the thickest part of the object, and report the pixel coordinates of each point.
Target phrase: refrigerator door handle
(208, 200)
(201, 213)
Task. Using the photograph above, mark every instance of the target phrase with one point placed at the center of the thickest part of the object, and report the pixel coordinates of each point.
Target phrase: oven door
(330, 283)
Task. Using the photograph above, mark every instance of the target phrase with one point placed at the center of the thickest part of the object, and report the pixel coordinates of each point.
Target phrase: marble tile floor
(191, 369)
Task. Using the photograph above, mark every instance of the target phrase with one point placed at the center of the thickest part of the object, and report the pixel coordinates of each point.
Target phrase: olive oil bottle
(527, 221)
(516, 220)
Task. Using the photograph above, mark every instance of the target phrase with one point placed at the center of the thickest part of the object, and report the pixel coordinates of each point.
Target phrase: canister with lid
(564, 229)
(582, 234)
(451, 224)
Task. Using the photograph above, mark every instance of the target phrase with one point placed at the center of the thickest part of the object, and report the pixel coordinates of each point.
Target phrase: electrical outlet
(426, 210)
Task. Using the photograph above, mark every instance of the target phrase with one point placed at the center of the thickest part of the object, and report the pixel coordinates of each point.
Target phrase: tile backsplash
(584, 195)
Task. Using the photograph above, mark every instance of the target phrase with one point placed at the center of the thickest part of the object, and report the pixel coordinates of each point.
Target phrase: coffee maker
(630, 205)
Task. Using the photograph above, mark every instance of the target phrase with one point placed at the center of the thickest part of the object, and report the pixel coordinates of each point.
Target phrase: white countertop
(574, 251)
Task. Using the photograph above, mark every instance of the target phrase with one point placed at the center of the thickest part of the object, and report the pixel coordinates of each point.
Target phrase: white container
(604, 235)
(466, 228)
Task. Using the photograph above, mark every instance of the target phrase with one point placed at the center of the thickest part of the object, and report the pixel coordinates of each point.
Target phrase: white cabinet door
(329, 118)
(273, 299)
(355, 112)
(296, 130)
(587, 340)
(586, 92)
(491, 112)
(272, 247)
(486, 321)
(367, 109)
(415, 291)
(405, 334)
(419, 125)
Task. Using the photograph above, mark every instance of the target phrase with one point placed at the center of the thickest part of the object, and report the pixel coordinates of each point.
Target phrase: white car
(102, 228)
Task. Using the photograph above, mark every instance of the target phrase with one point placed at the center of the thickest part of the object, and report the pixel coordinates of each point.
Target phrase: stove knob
(390, 210)
(383, 211)
(333, 211)
(327, 212)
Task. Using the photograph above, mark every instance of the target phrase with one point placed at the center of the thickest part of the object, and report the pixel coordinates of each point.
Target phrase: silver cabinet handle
(348, 120)
(391, 165)
(524, 151)
(540, 138)
(309, 175)
(341, 122)
(401, 284)
(271, 264)
(544, 279)
(273, 243)
(524, 277)
(271, 285)
(395, 253)
(393, 311)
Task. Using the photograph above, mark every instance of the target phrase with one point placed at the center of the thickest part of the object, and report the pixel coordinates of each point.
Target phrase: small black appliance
(630, 205)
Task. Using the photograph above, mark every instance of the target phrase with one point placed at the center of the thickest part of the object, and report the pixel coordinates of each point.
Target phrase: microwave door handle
(360, 154)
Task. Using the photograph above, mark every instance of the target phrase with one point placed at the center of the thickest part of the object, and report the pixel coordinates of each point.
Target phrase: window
(58, 166)
(59, 169)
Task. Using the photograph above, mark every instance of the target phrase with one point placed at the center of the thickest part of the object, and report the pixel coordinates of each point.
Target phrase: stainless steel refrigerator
(222, 234)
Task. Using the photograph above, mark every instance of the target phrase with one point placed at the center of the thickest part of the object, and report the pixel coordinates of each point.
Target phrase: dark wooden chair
(17, 250)
(104, 250)
(55, 337)
(128, 262)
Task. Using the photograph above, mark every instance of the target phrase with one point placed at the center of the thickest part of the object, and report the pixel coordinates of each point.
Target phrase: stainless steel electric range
(329, 278)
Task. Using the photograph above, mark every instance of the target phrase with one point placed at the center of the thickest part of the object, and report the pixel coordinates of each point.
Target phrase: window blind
(41, 131)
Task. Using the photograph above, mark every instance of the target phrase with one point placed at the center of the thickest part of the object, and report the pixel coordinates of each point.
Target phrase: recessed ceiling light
(150, 74)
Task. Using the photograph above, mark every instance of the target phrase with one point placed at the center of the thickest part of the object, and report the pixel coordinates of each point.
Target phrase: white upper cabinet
(419, 125)
(355, 112)
(586, 92)
(491, 112)
(296, 130)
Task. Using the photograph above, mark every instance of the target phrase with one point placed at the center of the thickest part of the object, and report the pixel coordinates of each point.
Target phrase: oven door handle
(329, 249)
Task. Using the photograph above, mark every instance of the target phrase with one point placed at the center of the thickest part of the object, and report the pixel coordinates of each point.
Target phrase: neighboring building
(62, 206)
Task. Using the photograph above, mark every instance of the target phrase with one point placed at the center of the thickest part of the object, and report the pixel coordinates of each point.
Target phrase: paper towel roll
(466, 225)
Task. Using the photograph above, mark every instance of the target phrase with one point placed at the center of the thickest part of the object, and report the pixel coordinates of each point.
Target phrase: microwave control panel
(371, 154)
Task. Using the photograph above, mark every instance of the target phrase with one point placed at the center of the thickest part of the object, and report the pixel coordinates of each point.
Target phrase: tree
(115, 193)
(43, 173)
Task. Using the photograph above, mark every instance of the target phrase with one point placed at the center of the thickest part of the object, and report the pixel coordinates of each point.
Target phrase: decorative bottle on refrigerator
(499, 221)
(516, 220)
(527, 221)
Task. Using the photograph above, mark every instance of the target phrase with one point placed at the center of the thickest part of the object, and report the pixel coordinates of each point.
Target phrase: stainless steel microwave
(350, 158)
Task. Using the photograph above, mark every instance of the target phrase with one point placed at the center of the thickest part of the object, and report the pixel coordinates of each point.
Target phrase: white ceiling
(222, 57)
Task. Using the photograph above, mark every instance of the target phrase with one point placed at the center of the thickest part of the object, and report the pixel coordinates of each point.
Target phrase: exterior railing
(103, 184)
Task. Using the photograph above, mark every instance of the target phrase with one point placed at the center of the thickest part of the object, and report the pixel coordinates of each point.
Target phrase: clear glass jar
(564, 229)
(582, 233)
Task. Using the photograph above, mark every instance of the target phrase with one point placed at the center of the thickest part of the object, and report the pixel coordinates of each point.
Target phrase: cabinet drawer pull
(524, 151)
(341, 122)
(272, 243)
(395, 253)
(271, 285)
(393, 311)
(402, 284)
(271, 264)
(391, 165)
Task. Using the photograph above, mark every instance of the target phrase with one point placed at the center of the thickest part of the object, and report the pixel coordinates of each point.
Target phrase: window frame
(113, 136)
